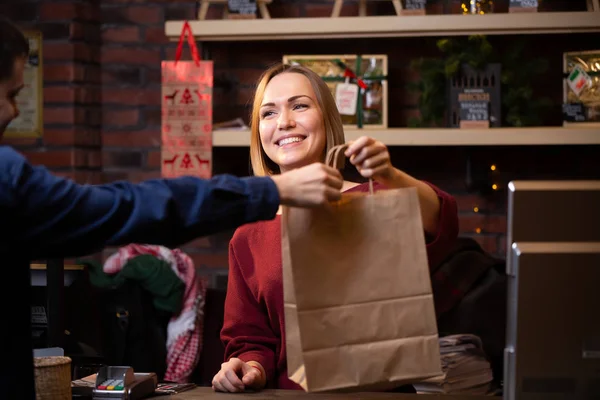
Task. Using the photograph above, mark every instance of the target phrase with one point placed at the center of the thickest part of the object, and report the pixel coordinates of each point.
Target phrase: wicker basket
(52, 378)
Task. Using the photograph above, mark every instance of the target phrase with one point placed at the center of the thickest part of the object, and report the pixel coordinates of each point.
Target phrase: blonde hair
(262, 165)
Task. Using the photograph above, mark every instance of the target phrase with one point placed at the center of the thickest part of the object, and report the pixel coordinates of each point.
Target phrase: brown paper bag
(359, 311)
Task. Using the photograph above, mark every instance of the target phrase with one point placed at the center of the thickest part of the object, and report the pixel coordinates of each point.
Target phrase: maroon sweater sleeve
(440, 244)
(246, 332)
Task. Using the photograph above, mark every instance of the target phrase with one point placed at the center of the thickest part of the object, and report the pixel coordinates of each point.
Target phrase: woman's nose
(285, 121)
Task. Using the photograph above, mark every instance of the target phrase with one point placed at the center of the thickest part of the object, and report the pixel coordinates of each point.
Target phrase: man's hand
(236, 375)
(310, 186)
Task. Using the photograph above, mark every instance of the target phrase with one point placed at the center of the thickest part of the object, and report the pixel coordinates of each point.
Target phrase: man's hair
(13, 44)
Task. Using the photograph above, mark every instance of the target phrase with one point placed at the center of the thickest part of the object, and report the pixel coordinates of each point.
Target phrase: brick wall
(107, 87)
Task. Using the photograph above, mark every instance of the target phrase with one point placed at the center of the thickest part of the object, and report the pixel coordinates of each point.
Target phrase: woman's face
(291, 126)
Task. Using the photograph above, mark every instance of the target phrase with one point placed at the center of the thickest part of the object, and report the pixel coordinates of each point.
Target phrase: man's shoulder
(11, 162)
(7, 153)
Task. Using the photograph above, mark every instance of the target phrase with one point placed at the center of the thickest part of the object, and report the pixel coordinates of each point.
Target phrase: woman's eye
(267, 114)
(300, 106)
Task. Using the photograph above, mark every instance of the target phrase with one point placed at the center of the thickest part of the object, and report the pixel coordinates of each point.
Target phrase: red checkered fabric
(184, 332)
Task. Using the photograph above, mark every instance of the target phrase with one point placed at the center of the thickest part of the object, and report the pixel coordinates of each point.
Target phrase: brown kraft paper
(359, 312)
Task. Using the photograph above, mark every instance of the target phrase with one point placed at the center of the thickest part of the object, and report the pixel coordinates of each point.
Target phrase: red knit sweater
(253, 327)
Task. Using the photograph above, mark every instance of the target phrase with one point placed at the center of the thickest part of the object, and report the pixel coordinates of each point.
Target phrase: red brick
(131, 97)
(64, 73)
(121, 34)
(144, 15)
(59, 115)
(82, 177)
(89, 158)
(59, 94)
(325, 10)
(82, 117)
(132, 139)
(51, 158)
(487, 223)
(59, 137)
(246, 76)
(71, 51)
(502, 245)
(77, 31)
(58, 11)
(128, 75)
(19, 141)
(153, 159)
(130, 56)
(139, 176)
(282, 10)
(469, 202)
(155, 35)
(72, 136)
(87, 137)
(120, 118)
(209, 260)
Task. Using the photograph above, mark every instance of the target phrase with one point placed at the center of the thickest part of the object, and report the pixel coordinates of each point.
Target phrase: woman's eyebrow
(291, 99)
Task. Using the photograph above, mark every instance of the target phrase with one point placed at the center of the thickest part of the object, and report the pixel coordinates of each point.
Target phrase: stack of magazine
(465, 367)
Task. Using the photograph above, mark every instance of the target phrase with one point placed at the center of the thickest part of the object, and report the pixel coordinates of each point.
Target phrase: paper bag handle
(187, 31)
(337, 159)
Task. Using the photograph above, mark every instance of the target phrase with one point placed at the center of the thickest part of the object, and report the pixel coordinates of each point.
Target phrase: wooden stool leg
(264, 11)
(596, 5)
(397, 6)
(203, 9)
(362, 8)
(337, 8)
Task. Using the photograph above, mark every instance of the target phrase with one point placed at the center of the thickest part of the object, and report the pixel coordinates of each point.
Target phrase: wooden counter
(206, 393)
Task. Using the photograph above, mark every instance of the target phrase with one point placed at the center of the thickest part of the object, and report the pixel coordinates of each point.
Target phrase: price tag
(578, 80)
(523, 6)
(346, 95)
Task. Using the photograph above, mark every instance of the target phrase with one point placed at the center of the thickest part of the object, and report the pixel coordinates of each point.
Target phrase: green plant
(520, 106)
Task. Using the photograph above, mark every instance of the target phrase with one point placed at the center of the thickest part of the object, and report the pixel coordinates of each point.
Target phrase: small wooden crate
(326, 67)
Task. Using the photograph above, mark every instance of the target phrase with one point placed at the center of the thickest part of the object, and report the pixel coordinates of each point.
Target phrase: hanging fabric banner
(186, 113)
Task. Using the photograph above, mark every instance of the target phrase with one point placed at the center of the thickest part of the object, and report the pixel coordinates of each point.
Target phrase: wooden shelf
(541, 136)
(388, 26)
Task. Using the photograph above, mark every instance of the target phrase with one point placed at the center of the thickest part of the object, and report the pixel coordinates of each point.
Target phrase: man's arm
(46, 216)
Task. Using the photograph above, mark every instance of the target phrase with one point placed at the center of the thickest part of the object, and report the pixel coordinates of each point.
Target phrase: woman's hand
(371, 158)
(310, 186)
(236, 376)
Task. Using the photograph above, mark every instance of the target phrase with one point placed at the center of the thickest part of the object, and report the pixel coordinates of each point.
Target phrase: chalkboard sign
(241, 8)
(474, 108)
(523, 6)
(574, 112)
(414, 7)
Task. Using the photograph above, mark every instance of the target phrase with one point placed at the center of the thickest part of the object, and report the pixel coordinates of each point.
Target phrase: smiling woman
(295, 122)
(294, 104)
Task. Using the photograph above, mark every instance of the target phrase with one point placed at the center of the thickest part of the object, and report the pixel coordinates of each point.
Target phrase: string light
(495, 187)
(476, 209)
(493, 167)
(478, 230)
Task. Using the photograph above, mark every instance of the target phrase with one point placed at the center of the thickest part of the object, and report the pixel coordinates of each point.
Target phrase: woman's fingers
(233, 382)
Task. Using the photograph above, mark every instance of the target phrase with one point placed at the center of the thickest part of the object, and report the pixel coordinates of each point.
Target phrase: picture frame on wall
(30, 122)
(365, 102)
